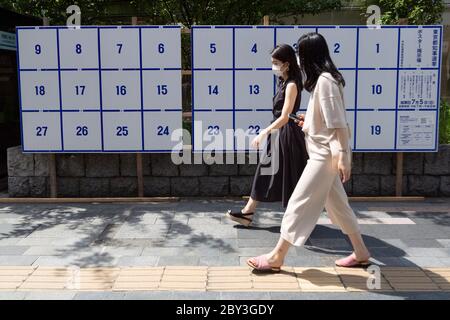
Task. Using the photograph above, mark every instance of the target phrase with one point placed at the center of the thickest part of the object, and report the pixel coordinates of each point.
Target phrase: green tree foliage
(92, 10)
(230, 11)
(444, 122)
(187, 12)
(416, 11)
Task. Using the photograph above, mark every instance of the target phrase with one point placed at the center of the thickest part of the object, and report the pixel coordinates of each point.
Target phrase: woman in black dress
(284, 156)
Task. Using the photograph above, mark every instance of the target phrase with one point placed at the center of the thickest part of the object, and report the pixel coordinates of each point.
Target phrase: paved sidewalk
(414, 237)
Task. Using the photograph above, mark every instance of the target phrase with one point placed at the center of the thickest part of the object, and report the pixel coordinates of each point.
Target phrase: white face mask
(277, 70)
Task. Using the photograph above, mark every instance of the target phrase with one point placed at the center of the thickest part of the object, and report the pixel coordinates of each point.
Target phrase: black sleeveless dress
(279, 184)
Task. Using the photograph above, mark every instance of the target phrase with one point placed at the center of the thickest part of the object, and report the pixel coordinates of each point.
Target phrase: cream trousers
(319, 187)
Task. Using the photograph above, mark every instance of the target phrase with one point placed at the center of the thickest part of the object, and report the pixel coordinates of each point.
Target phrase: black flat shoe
(239, 217)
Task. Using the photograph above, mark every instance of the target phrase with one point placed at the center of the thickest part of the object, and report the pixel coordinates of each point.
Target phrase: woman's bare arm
(344, 166)
(288, 106)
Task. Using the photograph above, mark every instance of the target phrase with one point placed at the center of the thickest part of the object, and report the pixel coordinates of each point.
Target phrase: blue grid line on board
(201, 69)
(101, 88)
(396, 89)
(234, 87)
(142, 89)
(274, 79)
(108, 151)
(20, 89)
(60, 90)
(355, 118)
(237, 26)
(192, 89)
(390, 150)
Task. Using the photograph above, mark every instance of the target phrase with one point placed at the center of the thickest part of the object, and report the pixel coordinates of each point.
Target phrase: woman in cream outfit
(327, 137)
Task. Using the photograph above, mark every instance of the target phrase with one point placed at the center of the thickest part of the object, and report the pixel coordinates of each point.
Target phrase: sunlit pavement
(187, 249)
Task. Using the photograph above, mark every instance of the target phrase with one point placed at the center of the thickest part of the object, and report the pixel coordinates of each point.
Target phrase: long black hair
(315, 58)
(285, 53)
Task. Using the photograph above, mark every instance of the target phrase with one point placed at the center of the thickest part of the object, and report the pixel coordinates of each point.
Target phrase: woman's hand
(344, 167)
(256, 142)
(301, 119)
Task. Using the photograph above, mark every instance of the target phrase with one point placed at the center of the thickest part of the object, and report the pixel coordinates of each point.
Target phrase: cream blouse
(326, 112)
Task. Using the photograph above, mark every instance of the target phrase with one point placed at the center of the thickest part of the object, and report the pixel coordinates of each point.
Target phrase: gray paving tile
(387, 252)
(114, 296)
(138, 261)
(74, 241)
(97, 295)
(17, 260)
(445, 261)
(48, 251)
(394, 262)
(90, 296)
(204, 221)
(77, 260)
(385, 243)
(15, 231)
(253, 251)
(318, 252)
(190, 241)
(255, 243)
(12, 250)
(9, 241)
(206, 230)
(444, 242)
(403, 231)
(198, 295)
(43, 295)
(258, 233)
(12, 295)
(331, 243)
(179, 261)
(149, 295)
(223, 260)
(35, 241)
(141, 231)
(245, 296)
(158, 251)
(122, 251)
(371, 214)
(289, 296)
(424, 262)
(427, 252)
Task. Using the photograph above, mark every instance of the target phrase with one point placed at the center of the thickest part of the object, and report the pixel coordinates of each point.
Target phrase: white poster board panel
(93, 81)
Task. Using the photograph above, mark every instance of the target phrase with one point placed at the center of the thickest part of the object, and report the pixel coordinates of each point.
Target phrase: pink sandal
(351, 262)
(261, 263)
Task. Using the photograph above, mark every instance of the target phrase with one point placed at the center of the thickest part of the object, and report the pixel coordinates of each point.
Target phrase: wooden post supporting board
(51, 156)
(139, 166)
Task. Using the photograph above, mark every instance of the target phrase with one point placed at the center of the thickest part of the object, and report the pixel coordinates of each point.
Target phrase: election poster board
(392, 90)
(99, 88)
